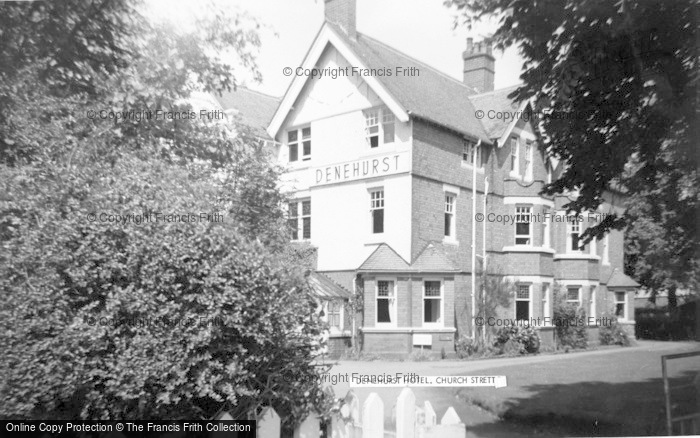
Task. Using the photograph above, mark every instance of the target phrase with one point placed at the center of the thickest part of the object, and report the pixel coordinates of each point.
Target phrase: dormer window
(299, 140)
(471, 153)
(379, 126)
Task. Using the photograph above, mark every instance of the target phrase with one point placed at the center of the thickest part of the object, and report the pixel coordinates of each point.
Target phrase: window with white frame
(523, 228)
(549, 172)
(573, 295)
(592, 311)
(514, 145)
(621, 305)
(449, 216)
(471, 153)
(528, 160)
(606, 249)
(334, 315)
(432, 302)
(573, 241)
(546, 300)
(299, 219)
(546, 230)
(386, 302)
(522, 302)
(299, 141)
(377, 211)
(380, 126)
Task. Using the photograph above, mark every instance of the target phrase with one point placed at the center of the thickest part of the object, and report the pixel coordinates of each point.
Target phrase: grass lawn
(615, 394)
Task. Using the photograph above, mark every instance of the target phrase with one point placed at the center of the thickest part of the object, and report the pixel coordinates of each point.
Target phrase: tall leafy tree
(142, 263)
(615, 85)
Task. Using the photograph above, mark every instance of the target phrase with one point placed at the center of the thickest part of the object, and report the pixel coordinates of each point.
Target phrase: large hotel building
(383, 156)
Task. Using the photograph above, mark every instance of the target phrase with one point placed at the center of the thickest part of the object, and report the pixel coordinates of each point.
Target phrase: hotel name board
(360, 169)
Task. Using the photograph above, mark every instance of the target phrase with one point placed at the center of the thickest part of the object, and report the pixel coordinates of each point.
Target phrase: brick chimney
(479, 65)
(342, 13)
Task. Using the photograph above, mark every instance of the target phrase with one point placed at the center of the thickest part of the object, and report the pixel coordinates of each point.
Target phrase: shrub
(517, 340)
(570, 328)
(422, 355)
(467, 347)
(613, 333)
(148, 320)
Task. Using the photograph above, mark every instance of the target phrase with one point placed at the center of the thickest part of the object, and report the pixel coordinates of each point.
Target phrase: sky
(422, 29)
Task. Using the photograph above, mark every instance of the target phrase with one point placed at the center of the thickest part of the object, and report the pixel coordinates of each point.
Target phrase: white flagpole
(474, 164)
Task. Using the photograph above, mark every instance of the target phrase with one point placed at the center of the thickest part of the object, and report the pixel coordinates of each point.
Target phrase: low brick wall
(337, 345)
(400, 343)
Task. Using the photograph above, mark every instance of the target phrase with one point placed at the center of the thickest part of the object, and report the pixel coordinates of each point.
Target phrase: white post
(473, 315)
(483, 258)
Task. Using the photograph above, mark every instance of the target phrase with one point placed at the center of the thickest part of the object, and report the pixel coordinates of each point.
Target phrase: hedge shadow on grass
(596, 408)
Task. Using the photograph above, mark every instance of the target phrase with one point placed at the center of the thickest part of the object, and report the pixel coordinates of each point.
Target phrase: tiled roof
(384, 258)
(619, 279)
(433, 258)
(496, 100)
(324, 287)
(432, 96)
(255, 109)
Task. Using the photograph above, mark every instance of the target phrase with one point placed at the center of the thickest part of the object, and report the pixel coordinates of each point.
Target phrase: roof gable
(329, 36)
(384, 258)
(500, 128)
(429, 95)
(433, 258)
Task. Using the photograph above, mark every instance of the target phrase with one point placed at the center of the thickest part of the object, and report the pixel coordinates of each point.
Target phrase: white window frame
(549, 171)
(377, 203)
(451, 210)
(528, 160)
(327, 314)
(441, 321)
(379, 118)
(571, 226)
(606, 249)
(578, 299)
(393, 303)
(515, 156)
(299, 142)
(594, 246)
(299, 216)
(625, 308)
(546, 300)
(520, 213)
(471, 152)
(547, 229)
(529, 301)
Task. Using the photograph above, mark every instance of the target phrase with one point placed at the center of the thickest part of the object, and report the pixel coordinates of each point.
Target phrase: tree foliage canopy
(625, 75)
(111, 308)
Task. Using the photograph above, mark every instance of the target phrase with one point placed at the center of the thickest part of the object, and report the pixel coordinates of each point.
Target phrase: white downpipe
(473, 274)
